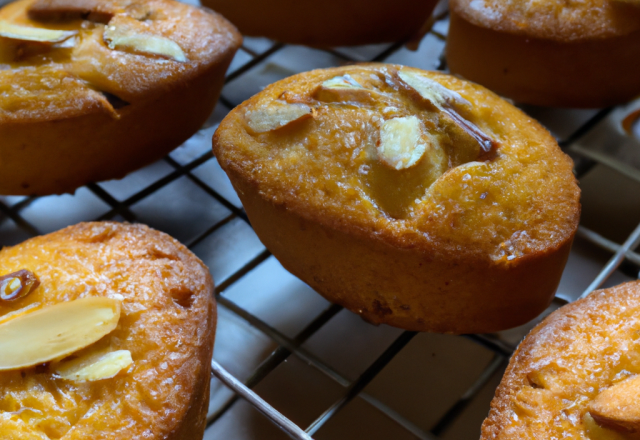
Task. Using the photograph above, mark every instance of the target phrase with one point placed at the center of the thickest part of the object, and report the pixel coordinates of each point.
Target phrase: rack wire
(216, 216)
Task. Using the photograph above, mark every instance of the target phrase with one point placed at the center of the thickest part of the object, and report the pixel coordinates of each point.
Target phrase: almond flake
(94, 367)
(401, 145)
(433, 91)
(127, 40)
(276, 115)
(28, 33)
(343, 89)
(448, 102)
(56, 331)
(618, 407)
(17, 285)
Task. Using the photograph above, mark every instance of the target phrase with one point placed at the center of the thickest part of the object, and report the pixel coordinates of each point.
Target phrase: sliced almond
(57, 331)
(276, 115)
(94, 367)
(28, 33)
(432, 91)
(127, 40)
(447, 101)
(618, 406)
(342, 89)
(596, 432)
(17, 284)
(11, 315)
(401, 142)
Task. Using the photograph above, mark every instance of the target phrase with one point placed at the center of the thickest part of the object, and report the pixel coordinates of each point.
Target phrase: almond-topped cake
(93, 89)
(576, 375)
(327, 23)
(548, 52)
(106, 332)
(413, 198)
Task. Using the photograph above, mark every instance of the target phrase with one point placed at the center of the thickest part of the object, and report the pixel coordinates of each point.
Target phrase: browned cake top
(167, 322)
(476, 176)
(129, 49)
(576, 374)
(559, 20)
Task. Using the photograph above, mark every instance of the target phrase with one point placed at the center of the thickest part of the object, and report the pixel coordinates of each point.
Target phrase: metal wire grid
(12, 209)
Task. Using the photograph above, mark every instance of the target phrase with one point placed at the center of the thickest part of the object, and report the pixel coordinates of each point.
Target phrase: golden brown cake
(163, 296)
(327, 22)
(555, 53)
(576, 374)
(93, 89)
(410, 197)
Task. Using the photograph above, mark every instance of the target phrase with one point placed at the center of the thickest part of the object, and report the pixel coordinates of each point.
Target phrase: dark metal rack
(19, 220)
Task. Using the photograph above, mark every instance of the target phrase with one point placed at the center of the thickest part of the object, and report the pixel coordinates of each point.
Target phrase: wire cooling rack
(312, 369)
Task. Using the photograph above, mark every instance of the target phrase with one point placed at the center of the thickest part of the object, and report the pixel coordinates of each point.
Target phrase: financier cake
(93, 89)
(413, 198)
(576, 375)
(553, 52)
(106, 332)
(327, 22)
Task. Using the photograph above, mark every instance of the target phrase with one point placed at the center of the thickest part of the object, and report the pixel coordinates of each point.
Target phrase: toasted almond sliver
(449, 102)
(56, 331)
(28, 33)
(144, 43)
(432, 91)
(89, 368)
(343, 89)
(276, 115)
(344, 81)
(11, 315)
(618, 406)
(401, 144)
